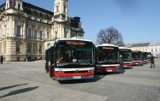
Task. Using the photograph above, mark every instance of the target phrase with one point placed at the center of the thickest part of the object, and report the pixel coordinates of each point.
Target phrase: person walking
(121, 64)
(1, 59)
(152, 61)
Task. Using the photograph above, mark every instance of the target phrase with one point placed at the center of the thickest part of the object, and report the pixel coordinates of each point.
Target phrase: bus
(127, 57)
(107, 58)
(145, 57)
(70, 59)
(137, 58)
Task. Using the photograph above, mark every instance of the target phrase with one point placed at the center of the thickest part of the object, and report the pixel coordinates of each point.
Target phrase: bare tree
(110, 35)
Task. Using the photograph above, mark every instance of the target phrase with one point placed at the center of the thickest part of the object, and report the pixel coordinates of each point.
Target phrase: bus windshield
(75, 53)
(126, 54)
(107, 55)
(137, 55)
(145, 55)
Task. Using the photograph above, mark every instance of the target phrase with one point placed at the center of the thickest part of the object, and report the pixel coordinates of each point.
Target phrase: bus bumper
(63, 78)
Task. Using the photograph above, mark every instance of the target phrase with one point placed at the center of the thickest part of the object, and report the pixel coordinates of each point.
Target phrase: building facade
(147, 47)
(26, 30)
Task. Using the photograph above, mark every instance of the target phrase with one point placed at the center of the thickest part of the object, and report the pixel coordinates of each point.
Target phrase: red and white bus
(69, 59)
(137, 58)
(127, 56)
(145, 57)
(107, 58)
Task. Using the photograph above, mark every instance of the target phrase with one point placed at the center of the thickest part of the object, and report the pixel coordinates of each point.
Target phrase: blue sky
(137, 20)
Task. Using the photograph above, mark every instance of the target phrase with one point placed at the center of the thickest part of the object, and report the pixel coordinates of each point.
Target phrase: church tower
(14, 4)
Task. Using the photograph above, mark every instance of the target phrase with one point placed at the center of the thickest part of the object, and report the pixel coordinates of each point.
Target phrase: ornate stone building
(26, 30)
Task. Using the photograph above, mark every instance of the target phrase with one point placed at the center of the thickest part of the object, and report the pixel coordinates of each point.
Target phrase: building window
(34, 48)
(65, 33)
(56, 34)
(18, 34)
(19, 6)
(4, 47)
(29, 33)
(10, 3)
(40, 35)
(151, 50)
(64, 9)
(0, 48)
(40, 49)
(48, 44)
(17, 47)
(47, 35)
(72, 34)
(57, 9)
(35, 34)
(155, 50)
(29, 48)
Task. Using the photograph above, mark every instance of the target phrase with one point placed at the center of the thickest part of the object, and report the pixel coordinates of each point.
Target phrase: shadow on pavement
(15, 92)
(8, 87)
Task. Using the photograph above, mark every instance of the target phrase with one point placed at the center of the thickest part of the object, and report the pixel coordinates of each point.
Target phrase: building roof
(29, 9)
(154, 43)
(2, 7)
(29, 5)
(140, 44)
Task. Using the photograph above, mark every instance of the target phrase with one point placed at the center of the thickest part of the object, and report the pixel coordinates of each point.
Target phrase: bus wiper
(89, 63)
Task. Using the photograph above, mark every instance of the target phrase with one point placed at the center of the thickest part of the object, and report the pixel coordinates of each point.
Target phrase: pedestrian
(152, 61)
(121, 64)
(1, 59)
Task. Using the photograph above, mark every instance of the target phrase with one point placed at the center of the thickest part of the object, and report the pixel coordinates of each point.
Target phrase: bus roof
(68, 39)
(107, 44)
(125, 48)
(75, 38)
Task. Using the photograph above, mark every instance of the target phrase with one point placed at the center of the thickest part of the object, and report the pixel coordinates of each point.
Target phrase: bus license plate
(76, 77)
(109, 70)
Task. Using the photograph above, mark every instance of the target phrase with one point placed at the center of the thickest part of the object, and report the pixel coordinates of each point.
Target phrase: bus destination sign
(109, 48)
(75, 43)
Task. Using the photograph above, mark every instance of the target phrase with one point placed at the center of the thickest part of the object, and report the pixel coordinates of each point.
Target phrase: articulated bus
(145, 57)
(69, 59)
(137, 57)
(107, 58)
(127, 56)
